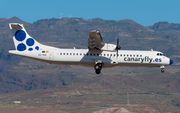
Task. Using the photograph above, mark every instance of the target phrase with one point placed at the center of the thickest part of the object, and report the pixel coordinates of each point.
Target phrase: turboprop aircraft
(98, 55)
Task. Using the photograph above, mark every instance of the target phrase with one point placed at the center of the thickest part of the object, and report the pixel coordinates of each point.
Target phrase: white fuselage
(84, 57)
(98, 55)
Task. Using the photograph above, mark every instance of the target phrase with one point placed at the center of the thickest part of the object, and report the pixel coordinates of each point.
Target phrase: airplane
(98, 55)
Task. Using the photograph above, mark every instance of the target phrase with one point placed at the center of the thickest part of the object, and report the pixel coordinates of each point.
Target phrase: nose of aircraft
(170, 62)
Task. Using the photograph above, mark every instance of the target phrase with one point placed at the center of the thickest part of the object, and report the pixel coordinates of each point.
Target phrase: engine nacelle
(108, 47)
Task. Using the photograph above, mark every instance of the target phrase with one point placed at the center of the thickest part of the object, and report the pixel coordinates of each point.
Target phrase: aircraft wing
(95, 41)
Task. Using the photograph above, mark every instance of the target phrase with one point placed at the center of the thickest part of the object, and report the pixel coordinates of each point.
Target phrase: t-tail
(22, 40)
(25, 45)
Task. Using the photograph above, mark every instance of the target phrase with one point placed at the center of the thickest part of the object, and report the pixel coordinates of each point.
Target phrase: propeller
(117, 47)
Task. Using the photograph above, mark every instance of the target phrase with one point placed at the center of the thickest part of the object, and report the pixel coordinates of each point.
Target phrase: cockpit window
(159, 54)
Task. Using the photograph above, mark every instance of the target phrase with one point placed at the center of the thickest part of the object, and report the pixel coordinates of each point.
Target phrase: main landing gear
(162, 69)
(98, 68)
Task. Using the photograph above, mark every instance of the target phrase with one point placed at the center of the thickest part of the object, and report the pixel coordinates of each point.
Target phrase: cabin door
(51, 56)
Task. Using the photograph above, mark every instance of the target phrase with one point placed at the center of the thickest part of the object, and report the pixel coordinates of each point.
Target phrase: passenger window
(63, 53)
(111, 54)
(67, 53)
(70, 53)
(124, 55)
(134, 55)
(140, 55)
(87, 54)
(121, 55)
(157, 54)
(94, 54)
(107, 54)
(104, 54)
(130, 55)
(60, 53)
(137, 55)
(115, 55)
(127, 55)
(90, 54)
(76, 53)
(97, 54)
(80, 54)
(73, 53)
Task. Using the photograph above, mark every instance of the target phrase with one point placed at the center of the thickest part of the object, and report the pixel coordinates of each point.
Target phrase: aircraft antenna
(61, 15)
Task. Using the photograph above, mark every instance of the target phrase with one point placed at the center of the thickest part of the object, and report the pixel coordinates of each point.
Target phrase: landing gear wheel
(162, 70)
(98, 71)
(98, 68)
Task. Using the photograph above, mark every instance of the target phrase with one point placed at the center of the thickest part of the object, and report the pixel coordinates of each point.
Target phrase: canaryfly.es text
(142, 60)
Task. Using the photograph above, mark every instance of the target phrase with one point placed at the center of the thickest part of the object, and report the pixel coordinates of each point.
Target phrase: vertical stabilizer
(22, 40)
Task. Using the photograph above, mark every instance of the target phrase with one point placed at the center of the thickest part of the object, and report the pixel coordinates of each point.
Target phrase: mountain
(168, 28)
(37, 80)
(69, 33)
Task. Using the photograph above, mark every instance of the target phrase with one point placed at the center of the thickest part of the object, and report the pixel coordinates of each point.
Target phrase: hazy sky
(144, 12)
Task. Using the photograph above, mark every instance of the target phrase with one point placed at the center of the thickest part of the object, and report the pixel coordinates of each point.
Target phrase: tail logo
(30, 42)
(21, 36)
(21, 47)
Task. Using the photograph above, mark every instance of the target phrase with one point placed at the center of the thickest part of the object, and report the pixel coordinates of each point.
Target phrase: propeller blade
(117, 47)
(117, 41)
(117, 53)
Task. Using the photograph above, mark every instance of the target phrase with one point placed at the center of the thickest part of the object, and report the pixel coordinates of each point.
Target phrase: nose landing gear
(98, 68)
(162, 69)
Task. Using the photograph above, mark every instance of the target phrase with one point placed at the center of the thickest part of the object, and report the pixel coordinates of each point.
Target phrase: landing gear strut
(98, 68)
(162, 69)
